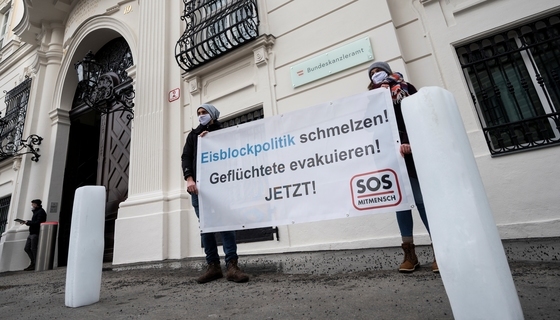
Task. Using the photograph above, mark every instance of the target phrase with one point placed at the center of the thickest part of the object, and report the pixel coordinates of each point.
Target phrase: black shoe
(30, 268)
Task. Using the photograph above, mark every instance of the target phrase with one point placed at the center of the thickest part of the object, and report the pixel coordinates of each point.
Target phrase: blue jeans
(404, 218)
(209, 240)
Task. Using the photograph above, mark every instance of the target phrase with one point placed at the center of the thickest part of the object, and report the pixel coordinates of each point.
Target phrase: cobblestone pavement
(167, 290)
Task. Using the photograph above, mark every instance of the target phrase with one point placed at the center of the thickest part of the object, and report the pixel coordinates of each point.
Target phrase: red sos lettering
(373, 184)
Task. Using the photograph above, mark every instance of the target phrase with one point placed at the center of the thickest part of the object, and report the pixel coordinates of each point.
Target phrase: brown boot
(213, 272)
(435, 268)
(234, 273)
(410, 262)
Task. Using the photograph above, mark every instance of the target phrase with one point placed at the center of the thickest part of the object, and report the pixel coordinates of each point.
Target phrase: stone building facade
(500, 59)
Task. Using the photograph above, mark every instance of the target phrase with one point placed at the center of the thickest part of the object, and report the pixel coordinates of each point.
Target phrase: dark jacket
(408, 159)
(39, 216)
(188, 158)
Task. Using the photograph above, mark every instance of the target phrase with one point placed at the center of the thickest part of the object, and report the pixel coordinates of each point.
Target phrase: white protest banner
(334, 160)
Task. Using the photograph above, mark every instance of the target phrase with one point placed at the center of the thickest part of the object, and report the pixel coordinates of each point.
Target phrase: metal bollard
(46, 246)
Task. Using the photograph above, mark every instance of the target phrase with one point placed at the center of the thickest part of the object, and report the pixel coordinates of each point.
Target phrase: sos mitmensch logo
(376, 189)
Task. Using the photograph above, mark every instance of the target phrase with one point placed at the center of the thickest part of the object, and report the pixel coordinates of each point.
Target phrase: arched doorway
(98, 152)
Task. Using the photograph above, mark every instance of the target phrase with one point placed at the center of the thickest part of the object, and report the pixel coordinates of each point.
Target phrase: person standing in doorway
(381, 76)
(39, 216)
(208, 118)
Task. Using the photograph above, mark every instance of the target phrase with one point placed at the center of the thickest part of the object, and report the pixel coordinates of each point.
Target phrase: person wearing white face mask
(381, 76)
(208, 118)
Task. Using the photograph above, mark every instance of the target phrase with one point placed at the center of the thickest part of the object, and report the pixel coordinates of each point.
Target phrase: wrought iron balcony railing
(213, 28)
(12, 124)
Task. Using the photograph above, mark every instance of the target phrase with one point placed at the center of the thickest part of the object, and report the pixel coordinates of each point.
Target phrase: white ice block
(469, 251)
(85, 253)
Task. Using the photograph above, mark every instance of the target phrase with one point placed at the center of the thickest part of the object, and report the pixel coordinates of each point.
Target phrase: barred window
(12, 124)
(213, 28)
(514, 80)
(246, 117)
(4, 209)
(258, 234)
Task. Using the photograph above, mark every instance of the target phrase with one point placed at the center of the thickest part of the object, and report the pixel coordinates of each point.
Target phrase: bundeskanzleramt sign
(331, 62)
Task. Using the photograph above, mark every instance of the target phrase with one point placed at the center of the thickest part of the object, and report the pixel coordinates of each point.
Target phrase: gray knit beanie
(212, 111)
(381, 65)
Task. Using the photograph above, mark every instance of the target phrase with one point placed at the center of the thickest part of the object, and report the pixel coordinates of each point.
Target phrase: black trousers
(31, 247)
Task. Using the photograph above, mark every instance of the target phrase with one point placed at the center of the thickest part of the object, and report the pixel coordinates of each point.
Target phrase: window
(4, 209)
(258, 234)
(12, 124)
(246, 117)
(514, 80)
(213, 28)
(5, 19)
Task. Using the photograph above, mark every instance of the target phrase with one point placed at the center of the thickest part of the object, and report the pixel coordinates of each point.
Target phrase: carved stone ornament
(260, 56)
(194, 85)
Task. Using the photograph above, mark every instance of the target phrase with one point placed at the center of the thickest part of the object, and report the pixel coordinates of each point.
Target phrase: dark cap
(37, 202)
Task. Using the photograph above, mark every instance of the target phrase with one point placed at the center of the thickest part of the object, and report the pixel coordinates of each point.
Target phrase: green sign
(332, 62)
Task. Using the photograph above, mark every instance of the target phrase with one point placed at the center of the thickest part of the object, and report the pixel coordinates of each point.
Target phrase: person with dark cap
(381, 76)
(208, 118)
(39, 216)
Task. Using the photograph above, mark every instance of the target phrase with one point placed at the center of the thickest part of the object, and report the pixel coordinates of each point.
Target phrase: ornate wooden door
(112, 171)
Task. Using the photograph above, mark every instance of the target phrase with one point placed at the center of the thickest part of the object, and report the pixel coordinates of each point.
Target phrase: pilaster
(141, 226)
(146, 160)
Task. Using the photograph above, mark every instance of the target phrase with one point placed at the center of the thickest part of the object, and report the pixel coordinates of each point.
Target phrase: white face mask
(204, 119)
(378, 77)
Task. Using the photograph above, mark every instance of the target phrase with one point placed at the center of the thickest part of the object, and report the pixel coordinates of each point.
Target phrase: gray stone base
(346, 261)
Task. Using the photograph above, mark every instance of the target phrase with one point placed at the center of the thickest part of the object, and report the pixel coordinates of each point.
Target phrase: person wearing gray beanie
(208, 117)
(380, 65)
(212, 111)
(382, 77)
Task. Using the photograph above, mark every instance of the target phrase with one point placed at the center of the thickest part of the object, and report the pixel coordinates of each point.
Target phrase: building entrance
(98, 153)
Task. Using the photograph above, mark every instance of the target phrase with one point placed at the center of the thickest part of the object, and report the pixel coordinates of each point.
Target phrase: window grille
(213, 28)
(514, 81)
(12, 124)
(246, 117)
(4, 209)
(258, 234)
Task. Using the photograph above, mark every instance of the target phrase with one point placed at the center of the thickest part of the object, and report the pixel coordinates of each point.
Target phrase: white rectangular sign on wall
(334, 160)
(331, 62)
